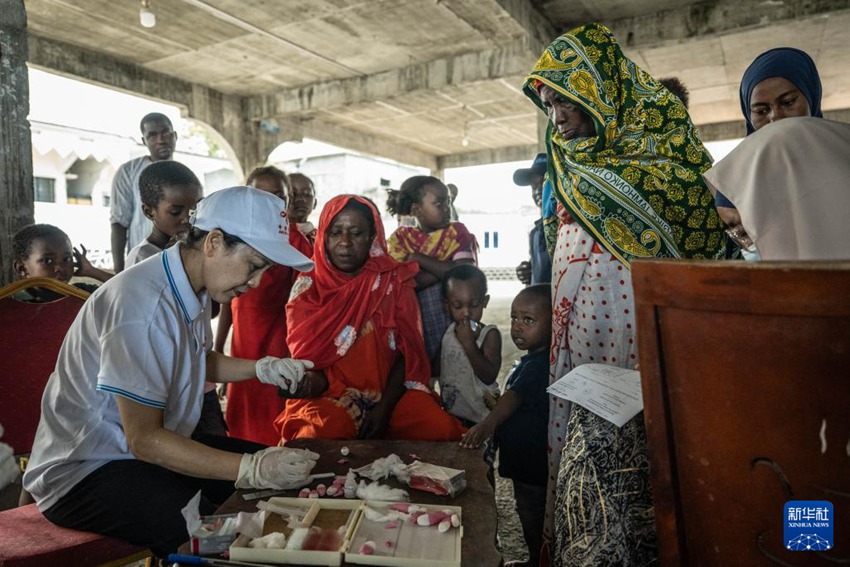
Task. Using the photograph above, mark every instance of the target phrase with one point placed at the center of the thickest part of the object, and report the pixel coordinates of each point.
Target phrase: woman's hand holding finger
(285, 373)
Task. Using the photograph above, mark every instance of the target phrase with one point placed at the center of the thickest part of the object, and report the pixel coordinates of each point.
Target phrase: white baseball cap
(256, 217)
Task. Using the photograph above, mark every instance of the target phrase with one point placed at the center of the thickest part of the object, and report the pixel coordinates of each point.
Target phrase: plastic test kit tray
(343, 529)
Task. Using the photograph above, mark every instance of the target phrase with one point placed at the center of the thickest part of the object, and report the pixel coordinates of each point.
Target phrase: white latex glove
(280, 468)
(285, 373)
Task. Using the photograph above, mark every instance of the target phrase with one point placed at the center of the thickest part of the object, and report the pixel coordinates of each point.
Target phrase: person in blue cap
(539, 268)
(780, 83)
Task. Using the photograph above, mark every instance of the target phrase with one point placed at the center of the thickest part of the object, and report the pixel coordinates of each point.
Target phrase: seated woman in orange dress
(357, 318)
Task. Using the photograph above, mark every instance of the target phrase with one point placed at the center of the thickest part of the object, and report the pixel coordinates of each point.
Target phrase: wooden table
(477, 499)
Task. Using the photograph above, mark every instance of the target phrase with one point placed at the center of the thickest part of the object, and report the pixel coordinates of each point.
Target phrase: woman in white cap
(113, 453)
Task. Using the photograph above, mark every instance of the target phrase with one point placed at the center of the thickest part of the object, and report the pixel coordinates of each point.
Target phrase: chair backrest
(30, 337)
(745, 370)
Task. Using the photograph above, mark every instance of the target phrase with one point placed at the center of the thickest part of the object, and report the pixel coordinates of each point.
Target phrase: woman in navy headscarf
(780, 83)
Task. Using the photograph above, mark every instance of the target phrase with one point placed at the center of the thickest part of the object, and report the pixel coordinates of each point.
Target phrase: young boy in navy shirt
(520, 419)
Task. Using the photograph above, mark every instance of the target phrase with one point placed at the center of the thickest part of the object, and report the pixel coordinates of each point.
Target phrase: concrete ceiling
(427, 81)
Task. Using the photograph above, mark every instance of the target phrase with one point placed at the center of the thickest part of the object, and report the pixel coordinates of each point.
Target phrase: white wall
(512, 230)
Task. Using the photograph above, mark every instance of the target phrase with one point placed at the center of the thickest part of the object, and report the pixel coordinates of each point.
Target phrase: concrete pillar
(265, 138)
(16, 190)
(261, 138)
(248, 144)
(246, 147)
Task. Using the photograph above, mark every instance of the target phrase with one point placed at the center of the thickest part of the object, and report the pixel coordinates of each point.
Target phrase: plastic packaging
(435, 478)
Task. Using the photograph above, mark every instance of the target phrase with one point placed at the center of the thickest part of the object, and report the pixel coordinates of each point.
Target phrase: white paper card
(610, 392)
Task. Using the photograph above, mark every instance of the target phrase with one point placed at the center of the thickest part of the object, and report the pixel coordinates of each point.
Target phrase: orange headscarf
(329, 308)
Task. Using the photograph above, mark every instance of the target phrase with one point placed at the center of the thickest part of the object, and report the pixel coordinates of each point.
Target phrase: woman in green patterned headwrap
(625, 163)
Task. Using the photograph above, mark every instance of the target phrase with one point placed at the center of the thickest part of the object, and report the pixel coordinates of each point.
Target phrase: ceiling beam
(538, 28)
(367, 144)
(94, 67)
(221, 112)
(255, 30)
(718, 131)
(698, 21)
(485, 157)
(509, 60)
(224, 113)
(673, 26)
(522, 13)
(295, 129)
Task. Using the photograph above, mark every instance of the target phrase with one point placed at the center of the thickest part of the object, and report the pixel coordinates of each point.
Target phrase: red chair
(28, 539)
(32, 334)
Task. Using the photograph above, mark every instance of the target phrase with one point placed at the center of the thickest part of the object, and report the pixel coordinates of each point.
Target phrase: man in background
(539, 268)
(129, 225)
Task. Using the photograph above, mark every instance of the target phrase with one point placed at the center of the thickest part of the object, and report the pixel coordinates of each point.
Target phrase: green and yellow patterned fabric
(637, 185)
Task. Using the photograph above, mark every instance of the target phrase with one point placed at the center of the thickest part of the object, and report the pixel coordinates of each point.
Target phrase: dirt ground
(511, 542)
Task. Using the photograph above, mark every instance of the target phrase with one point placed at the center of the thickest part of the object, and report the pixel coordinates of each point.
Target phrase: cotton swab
(433, 518)
(274, 492)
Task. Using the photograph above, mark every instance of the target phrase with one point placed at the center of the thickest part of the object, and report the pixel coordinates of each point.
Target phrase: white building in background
(341, 172)
(502, 236)
(72, 178)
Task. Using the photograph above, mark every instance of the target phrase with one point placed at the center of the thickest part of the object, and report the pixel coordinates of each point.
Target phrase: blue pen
(195, 560)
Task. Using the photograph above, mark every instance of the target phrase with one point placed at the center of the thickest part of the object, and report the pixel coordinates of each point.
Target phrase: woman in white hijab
(790, 182)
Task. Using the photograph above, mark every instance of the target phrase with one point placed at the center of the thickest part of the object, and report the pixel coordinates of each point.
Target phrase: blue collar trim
(174, 284)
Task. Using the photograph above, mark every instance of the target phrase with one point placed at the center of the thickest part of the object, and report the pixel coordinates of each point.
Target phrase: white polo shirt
(125, 204)
(143, 335)
(142, 251)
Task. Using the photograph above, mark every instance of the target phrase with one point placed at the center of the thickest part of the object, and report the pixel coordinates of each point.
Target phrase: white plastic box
(398, 543)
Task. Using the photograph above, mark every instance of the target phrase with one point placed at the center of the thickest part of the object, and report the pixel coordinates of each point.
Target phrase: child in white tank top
(470, 354)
